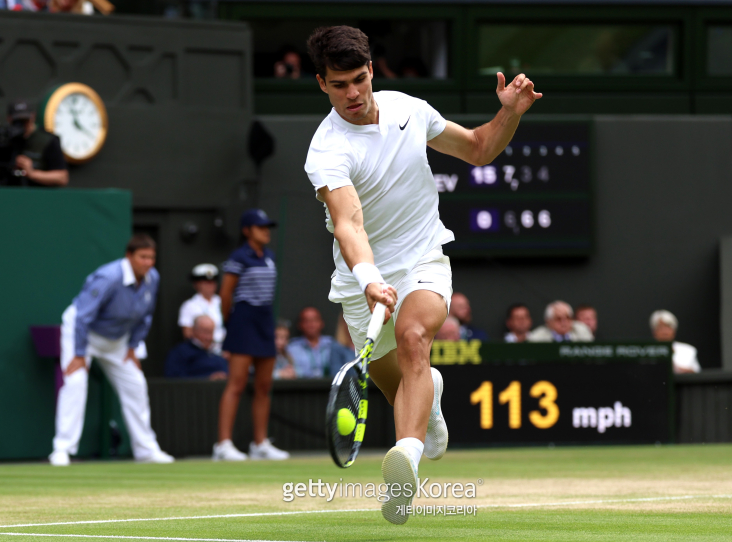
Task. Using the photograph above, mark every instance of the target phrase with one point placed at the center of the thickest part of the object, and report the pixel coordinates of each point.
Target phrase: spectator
(460, 309)
(316, 355)
(204, 302)
(664, 326)
(518, 323)
(413, 68)
(450, 330)
(247, 293)
(284, 366)
(290, 64)
(38, 158)
(195, 358)
(380, 63)
(588, 316)
(560, 326)
(81, 7)
(24, 5)
(109, 318)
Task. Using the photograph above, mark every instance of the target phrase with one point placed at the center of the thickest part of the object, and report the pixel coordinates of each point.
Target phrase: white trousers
(127, 380)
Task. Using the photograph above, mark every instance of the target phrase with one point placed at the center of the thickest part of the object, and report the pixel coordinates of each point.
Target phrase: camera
(11, 145)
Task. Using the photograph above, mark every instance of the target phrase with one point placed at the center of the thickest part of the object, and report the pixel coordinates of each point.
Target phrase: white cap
(204, 271)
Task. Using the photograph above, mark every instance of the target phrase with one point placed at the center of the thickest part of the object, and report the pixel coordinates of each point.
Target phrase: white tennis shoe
(435, 444)
(267, 450)
(398, 470)
(226, 451)
(157, 457)
(59, 458)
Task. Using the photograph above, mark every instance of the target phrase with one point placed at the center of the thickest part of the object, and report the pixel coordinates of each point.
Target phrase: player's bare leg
(386, 374)
(420, 317)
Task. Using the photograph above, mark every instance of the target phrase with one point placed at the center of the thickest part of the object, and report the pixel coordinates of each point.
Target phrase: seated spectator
(284, 366)
(518, 323)
(81, 7)
(460, 309)
(587, 314)
(316, 355)
(194, 358)
(24, 5)
(560, 327)
(290, 65)
(204, 302)
(664, 326)
(39, 160)
(450, 330)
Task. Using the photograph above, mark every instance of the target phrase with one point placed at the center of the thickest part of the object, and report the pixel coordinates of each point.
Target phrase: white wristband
(365, 274)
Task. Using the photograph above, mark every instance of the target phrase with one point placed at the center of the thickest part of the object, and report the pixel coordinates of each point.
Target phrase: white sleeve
(434, 122)
(329, 163)
(187, 314)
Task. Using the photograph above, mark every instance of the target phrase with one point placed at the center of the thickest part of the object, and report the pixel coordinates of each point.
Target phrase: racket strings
(349, 397)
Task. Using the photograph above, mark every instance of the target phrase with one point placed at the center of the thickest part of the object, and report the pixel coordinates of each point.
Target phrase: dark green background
(50, 242)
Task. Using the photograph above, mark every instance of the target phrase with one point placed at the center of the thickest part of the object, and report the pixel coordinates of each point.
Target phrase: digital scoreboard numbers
(555, 393)
(534, 199)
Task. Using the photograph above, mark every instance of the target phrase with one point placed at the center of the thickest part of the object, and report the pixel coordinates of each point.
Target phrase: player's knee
(414, 347)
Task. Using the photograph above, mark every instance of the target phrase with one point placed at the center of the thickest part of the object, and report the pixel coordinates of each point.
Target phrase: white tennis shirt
(198, 306)
(387, 165)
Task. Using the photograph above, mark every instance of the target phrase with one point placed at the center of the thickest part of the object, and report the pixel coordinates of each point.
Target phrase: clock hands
(78, 125)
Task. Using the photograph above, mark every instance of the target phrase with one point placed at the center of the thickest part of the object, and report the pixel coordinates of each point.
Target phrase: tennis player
(368, 164)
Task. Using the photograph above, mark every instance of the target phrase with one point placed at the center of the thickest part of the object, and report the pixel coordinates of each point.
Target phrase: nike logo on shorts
(424, 281)
(405, 124)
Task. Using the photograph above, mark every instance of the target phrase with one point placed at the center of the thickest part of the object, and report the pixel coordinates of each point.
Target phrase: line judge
(107, 321)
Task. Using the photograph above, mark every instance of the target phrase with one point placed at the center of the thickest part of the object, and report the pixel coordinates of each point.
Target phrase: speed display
(534, 199)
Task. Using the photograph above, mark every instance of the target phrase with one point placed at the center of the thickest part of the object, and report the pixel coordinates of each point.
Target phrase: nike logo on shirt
(424, 281)
(405, 124)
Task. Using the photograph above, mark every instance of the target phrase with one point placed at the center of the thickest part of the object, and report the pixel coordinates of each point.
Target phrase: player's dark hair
(339, 48)
(581, 308)
(140, 241)
(509, 312)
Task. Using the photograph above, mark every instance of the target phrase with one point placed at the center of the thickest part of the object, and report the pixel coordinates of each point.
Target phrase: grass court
(634, 493)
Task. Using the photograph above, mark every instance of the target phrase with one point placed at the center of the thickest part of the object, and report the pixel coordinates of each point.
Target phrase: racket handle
(377, 320)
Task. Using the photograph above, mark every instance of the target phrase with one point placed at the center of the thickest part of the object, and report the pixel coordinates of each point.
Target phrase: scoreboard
(534, 199)
(556, 393)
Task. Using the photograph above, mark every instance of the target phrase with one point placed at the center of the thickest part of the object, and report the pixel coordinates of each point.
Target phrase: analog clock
(76, 114)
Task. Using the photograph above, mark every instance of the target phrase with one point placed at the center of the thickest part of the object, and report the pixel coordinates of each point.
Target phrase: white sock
(414, 447)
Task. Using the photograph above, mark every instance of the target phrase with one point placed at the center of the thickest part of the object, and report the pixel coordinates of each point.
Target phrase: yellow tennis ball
(346, 422)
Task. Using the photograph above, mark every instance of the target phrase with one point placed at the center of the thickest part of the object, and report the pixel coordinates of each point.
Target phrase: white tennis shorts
(432, 273)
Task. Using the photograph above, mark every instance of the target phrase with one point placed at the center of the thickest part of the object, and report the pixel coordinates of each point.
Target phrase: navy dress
(251, 327)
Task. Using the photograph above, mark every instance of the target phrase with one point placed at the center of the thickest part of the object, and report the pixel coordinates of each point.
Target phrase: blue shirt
(257, 275)
(188, 360)
(111, 304)
(468, 333)
(324, 360)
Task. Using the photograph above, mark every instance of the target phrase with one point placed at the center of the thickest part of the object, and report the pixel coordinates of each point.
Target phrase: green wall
(50, 240)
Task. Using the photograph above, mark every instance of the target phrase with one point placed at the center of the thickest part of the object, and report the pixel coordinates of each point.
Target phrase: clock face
(78, 123)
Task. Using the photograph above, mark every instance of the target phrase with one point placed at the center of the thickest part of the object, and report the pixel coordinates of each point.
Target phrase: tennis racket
(345, 416)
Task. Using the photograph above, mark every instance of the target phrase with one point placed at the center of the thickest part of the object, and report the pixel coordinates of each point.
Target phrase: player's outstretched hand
(519, 96)
(381, 293)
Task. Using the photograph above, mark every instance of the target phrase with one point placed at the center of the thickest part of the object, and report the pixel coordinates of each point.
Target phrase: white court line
(604, 501)
(140, 537)
(298, 512)
(250, 515)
